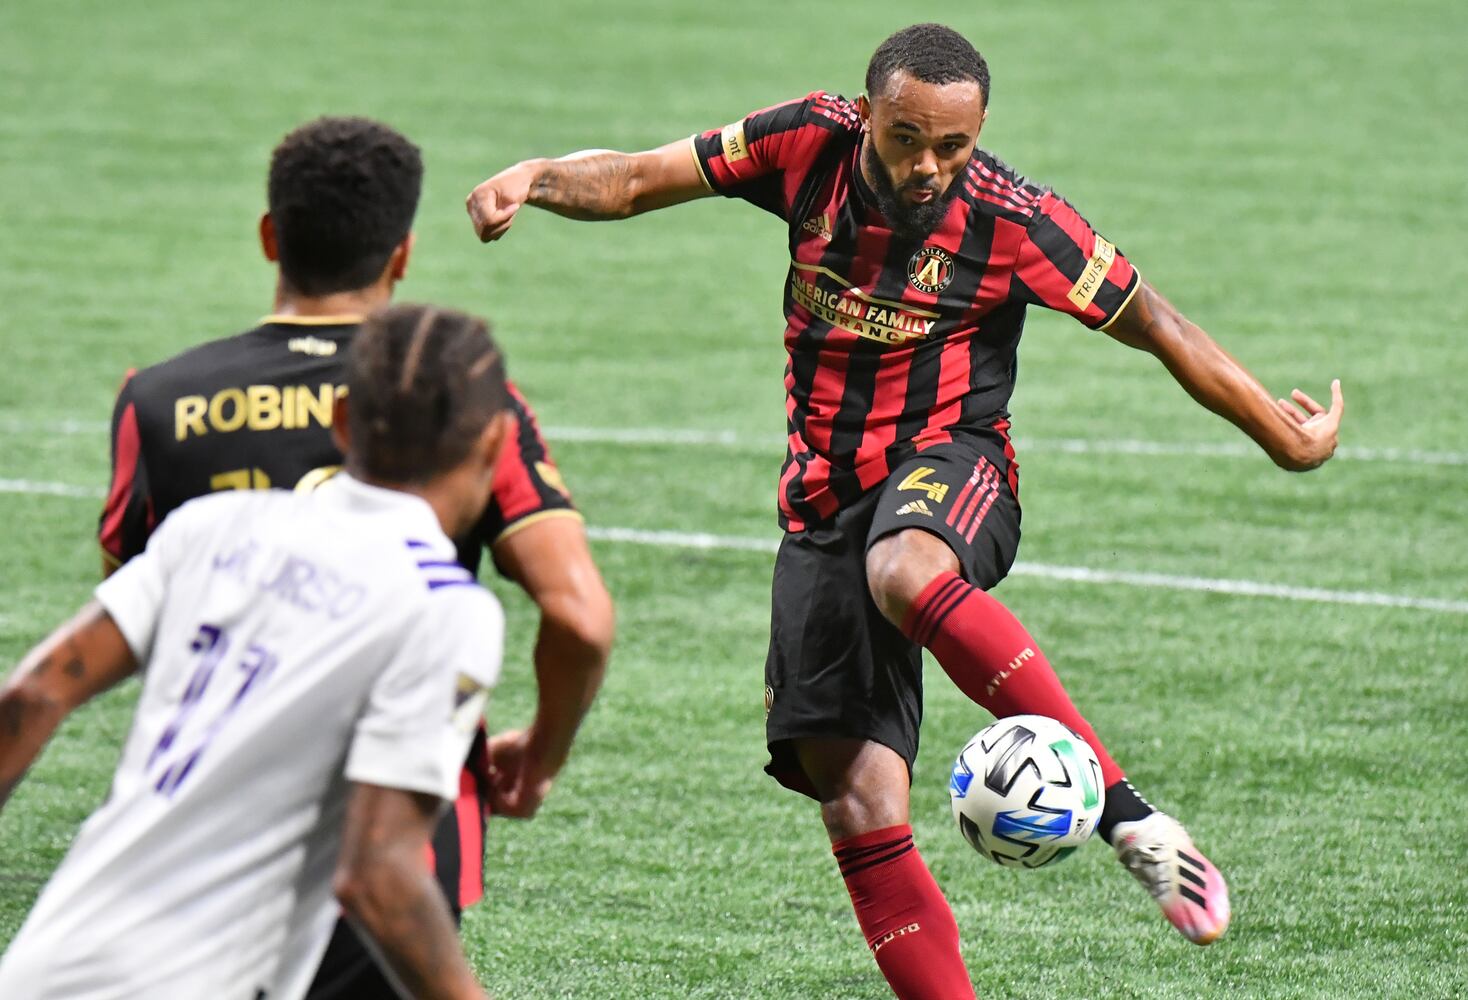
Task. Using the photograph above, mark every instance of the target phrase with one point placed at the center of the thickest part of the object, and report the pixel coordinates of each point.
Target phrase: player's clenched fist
(493, 204)
(518, 779)
(591, 185)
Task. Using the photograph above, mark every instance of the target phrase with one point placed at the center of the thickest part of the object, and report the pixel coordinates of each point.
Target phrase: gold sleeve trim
(344, 319)
(1124, 302)
(108, 559)
(698, 163)
(536, 518)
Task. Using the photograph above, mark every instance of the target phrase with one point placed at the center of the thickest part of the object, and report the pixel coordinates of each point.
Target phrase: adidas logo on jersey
(916, 507)
(818, 226)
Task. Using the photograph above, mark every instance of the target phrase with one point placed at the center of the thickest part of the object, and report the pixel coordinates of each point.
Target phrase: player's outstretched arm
(592, 185)
(78, 661)
(387, 891)
(1298, 436)
(552, 562)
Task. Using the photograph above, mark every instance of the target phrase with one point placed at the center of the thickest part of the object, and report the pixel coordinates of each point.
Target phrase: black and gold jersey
(253, 411)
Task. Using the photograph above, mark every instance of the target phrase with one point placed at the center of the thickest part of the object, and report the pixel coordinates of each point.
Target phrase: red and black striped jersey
(894, 346)
(254, 411)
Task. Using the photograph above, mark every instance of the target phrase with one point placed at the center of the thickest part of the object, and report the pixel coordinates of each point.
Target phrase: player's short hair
(342, 194)
(932, 53)
(422, 384)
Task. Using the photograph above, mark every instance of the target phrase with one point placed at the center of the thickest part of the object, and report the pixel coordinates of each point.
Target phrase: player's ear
(341, 433)
(864, 108)
(492, 439)
(267, 239)
(397, 264)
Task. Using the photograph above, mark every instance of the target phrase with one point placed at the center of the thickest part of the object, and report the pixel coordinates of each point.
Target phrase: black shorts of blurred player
(836, 666)
(348, 970)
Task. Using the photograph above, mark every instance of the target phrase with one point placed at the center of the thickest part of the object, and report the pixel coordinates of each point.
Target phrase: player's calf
(863, 790)
(907, 923)
(914, 577)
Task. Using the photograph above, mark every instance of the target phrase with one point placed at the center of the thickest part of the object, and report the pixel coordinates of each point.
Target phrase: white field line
(1070, 574)
(1075, 574)
(1071, 446)
(19, 425)
(773, 443)
(50, 489)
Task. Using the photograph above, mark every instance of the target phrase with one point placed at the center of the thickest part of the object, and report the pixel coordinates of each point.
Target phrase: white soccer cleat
(1191, 892)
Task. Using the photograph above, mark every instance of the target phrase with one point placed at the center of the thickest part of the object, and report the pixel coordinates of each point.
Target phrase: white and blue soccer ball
(1026, 791)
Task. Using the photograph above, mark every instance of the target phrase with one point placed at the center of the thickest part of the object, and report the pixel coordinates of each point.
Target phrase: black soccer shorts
(836, 666)
(348, 969)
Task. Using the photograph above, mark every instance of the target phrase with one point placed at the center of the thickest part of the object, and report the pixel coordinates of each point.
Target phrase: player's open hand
(493, 204)
(518, 780)
(1319, 428)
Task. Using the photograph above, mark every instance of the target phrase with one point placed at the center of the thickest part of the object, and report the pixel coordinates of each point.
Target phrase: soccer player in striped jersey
(914, 254)
(314, 667)
(255, 410)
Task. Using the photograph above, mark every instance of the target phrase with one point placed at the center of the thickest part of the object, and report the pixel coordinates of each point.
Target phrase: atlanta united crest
(930, 270)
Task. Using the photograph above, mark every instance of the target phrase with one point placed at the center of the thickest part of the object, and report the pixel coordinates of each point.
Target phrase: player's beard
(909, 221)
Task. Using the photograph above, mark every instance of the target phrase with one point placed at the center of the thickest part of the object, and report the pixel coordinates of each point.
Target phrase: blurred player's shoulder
(276, 347)
(234, 514)
(346, 531)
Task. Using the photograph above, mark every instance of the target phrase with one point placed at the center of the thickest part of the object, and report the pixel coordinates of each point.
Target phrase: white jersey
(291, 644)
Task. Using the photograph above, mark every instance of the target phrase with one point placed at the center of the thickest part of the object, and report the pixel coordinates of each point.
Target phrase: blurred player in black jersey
(254, 411)
(914, 255)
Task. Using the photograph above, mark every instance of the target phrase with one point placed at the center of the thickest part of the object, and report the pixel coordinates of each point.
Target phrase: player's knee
(861, 785)
(856, 812)
(900, 565)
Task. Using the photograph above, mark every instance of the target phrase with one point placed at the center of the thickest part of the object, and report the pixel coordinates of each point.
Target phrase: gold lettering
(188, 416)
(235, 479)
(258, 407)
(887, 326)
(240, 479)
(314, 406)
(264, 407)
(233, 398)
(1083, 292)
(735, 148)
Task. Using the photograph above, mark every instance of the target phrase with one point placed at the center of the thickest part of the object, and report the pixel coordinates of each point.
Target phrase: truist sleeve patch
(1065, 265)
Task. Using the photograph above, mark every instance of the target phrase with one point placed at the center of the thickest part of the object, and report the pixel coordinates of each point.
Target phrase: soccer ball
(1026, 791)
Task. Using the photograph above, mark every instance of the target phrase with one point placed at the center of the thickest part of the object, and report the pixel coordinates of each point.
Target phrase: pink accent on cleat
(1191, 892)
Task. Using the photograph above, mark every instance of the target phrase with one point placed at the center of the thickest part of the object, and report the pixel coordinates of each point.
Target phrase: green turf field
(1291, 176)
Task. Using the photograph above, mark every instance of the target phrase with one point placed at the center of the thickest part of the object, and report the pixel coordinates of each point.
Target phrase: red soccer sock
(904, 916)
(993, 659)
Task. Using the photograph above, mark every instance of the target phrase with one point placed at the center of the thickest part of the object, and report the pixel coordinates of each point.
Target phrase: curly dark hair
(422, 384)
(932, 53)
(342, 195)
